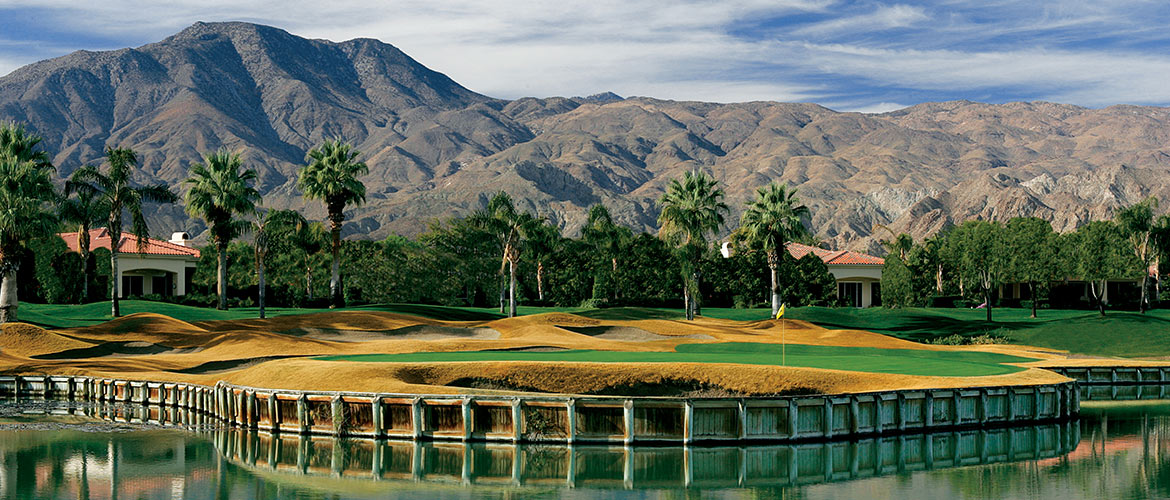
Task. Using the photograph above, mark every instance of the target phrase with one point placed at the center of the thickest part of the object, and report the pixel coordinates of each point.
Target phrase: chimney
(180, 238)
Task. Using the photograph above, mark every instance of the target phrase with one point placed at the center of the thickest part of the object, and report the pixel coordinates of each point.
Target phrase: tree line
(971, 261)
(495, 252)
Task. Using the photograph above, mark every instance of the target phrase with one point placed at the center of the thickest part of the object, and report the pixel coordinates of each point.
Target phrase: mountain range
(437, 149)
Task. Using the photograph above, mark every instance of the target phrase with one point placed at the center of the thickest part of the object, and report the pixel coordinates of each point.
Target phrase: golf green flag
(780, 313)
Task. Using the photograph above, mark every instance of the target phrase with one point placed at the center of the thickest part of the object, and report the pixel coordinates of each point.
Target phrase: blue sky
(847, 55)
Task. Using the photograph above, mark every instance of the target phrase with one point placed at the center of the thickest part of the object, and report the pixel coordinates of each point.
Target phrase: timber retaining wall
(576, 419)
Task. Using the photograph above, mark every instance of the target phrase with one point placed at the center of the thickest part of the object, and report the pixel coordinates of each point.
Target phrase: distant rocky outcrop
(436, 148)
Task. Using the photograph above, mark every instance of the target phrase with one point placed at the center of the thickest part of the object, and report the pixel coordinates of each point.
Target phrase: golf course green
(863, 359)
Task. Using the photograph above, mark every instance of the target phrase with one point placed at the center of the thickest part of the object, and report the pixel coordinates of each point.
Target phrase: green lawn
(899, 361)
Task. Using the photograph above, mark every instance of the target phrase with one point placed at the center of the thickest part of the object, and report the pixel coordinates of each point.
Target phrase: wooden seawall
(572, 419)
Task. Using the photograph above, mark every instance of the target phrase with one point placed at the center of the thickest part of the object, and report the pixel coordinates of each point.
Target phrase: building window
(850, 293)
(131, 286)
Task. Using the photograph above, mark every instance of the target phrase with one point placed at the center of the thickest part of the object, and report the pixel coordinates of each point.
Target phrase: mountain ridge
(436, 148)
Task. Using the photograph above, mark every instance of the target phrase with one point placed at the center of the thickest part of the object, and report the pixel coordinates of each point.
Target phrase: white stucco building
(858, 275)
(163, 267)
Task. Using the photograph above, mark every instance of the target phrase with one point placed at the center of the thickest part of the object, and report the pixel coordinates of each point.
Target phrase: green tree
(113, 190)
(331, 176)
(464, 255)
(1031, 250)
(982, 257)
(307, 240)
(771, 221)
(272, 231)
(84, 211)
(219, 192)
(897, 282)
(1137, 224)
(25, 193)
(1100, 253)
(56, 270)
(607, 240)
(511, 228)
(691, 208)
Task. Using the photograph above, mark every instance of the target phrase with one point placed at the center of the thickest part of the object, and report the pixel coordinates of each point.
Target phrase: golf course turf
(862, 359)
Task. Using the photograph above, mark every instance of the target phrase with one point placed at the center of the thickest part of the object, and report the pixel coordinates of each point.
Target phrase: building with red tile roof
(158, 267)
(858, 275)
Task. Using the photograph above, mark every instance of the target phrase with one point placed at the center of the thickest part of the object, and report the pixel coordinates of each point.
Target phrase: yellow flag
(780, 313)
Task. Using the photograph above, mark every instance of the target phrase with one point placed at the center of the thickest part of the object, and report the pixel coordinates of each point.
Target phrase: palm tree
(309, 238)
(84, 211)
(113, 191)
(510, 228)
(272, 230)
(543, 241)
(771, 221)
(691, 209)
(332, 177)
(607, 238)
(220, 191)
(25, 190)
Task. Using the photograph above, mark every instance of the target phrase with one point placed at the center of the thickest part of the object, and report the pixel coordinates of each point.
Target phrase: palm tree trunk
(8, 299)
(260, 280)
(540, 280)
(335, 278)
(613, 280)
(221, 274)
(83, 246)
(503, 293)
(938, 279)
(987, 300)
(1098, 296)
(686, 301)
(308, 280)
(115, 243)
(697, 297)
(775, 290)
(511, 289)
(1145, 286)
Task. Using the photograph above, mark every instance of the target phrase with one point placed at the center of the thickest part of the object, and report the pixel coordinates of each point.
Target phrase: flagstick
(783, 345)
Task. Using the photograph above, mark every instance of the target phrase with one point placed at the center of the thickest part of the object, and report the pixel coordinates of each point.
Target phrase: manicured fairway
(897, 361)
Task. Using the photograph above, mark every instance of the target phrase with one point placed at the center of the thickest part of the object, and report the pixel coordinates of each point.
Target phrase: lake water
(82, 451)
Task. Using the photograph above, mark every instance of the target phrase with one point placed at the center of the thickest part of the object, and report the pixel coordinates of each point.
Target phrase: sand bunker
(271, 353)
(630, 334)
(416, 332)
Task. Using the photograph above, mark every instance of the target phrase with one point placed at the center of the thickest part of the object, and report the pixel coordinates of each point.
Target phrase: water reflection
(55, 450)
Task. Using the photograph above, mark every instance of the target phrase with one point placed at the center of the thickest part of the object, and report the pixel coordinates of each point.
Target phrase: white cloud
(698, 50)
(882, 18)
(881, 107)
(1093, 78)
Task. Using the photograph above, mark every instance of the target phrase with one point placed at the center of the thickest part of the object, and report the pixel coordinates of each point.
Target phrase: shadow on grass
(630, 314)
(429, 311)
